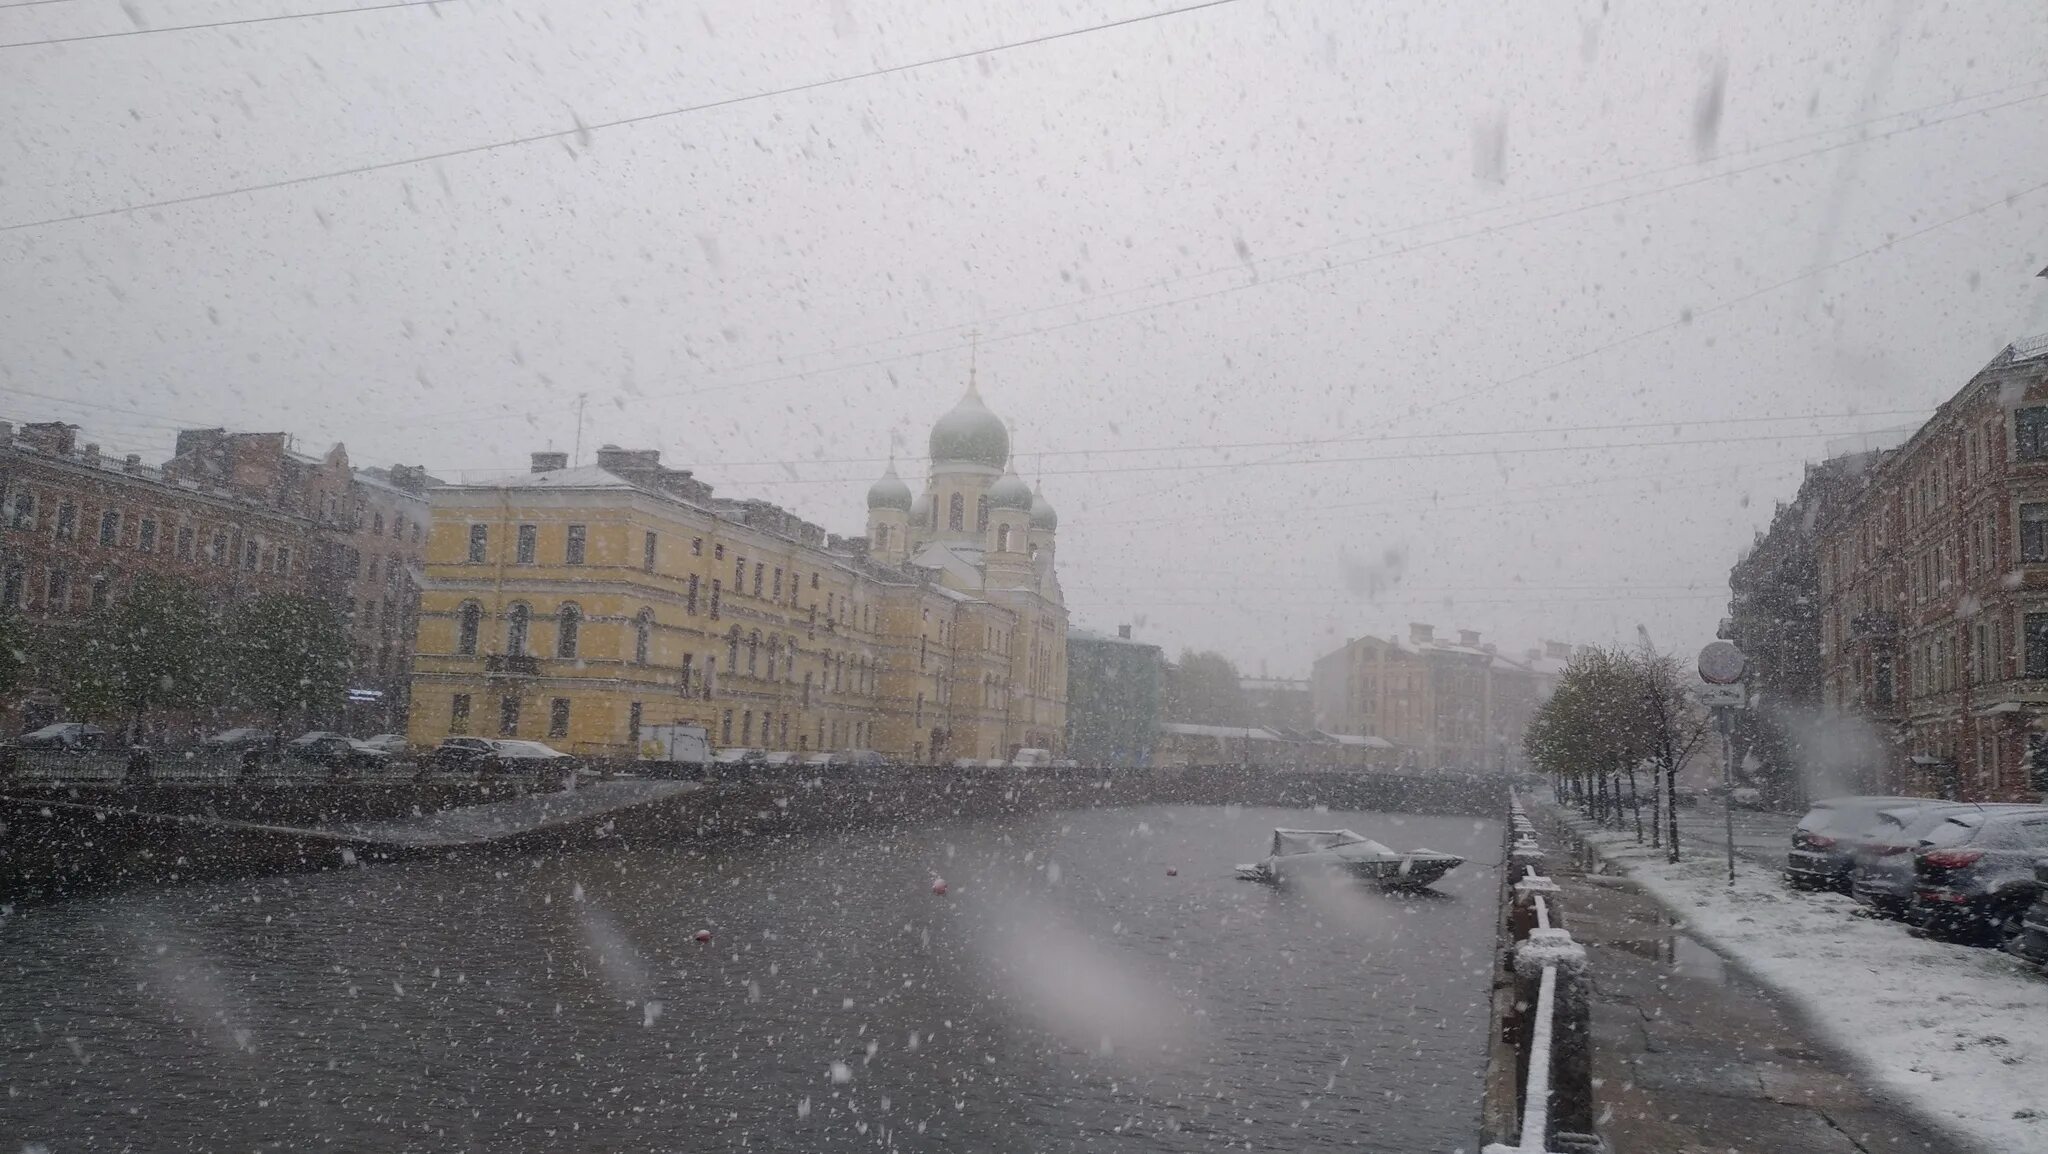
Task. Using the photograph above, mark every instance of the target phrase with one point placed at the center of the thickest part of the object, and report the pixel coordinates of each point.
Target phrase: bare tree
(1674, 725)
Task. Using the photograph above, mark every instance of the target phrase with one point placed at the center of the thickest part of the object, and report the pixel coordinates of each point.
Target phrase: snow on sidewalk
(1959, 1033)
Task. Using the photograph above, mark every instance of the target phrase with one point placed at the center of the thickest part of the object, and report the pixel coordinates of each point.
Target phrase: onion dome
(890, 492)
(1009, 492)
(970, 434)
(1042, 514)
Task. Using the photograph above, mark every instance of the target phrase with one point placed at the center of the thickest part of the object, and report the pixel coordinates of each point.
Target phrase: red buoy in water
(1172, 872)
(703, 935)
(939, 886)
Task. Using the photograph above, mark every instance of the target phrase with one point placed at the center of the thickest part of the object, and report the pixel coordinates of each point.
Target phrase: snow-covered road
(1959, 1033)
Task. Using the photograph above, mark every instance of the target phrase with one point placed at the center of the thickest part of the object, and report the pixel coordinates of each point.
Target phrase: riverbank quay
(61, 840)
(1756, 1018)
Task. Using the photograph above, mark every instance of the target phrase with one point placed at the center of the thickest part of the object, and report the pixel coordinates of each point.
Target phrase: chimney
(1469, 638)
(411, 478)
(549, 462)
(91, 453)
(53, 437)
(193, 440)
(132, 463)
(1123, 632)
(1421, 634)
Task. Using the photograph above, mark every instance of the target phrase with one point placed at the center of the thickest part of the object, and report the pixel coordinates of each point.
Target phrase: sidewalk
(1692, 1057)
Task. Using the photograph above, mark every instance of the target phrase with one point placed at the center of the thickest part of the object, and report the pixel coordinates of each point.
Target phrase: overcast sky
(1423, 271)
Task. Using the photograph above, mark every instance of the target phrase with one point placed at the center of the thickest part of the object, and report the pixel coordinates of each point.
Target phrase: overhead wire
(273, 19)
(584, 130)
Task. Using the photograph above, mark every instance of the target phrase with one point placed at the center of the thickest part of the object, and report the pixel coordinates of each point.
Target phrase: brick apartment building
(236, 514)
(1933, 587)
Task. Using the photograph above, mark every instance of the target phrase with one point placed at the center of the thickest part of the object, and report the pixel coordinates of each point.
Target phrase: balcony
(512, 664)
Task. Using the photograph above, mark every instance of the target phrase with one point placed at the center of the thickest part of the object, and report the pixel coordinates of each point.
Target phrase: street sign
(1717, 696)
(1721, 663)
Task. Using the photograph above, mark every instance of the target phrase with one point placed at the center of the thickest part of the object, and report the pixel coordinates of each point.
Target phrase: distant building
(575, 605)
(1285, 702)
(234, 514)
(1445, 703)
(1116, 690)
(1933, 584)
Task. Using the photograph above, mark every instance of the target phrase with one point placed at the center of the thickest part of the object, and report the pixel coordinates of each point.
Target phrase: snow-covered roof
(580, 477)
(2027, 348)
(1365, 740)
(1248, 733)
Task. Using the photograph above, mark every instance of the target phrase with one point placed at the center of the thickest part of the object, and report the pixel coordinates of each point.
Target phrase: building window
(633, 725)
(2037, 644)
(24, 510)
(714, 599)
(956, 512)
(281, 561)
(219, 551)
(479, 543)
(683, 675)
(526, 549)
(57, 592)
(145, 537)
(250, 551)
(814, 580)
(881, 538)
(2030, 433)
(753, 652)
(1002, 538)
(718, 552)
(981, 514)
(184, 542)
(458, 713)
(747, 728)
(568, 625)
(468, 622)
(67, 521)
(696, 546)
(647, 547)
(11, 585)
(573, 553)
(110, 527)
(732, 650)
(725, 728)
(739, 576)
(518, 623)
(2034, 533)
(643, 632)
(690, 597)
(558, 717)
(508, 716)
(777, 588)
(100, 588)
(377, 525)
(759, 572)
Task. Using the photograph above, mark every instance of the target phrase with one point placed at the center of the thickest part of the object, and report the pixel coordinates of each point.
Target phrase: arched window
(517, 622)
(981, 514)
(1002, 538)
(643, 633)
(881, 536)
(568, 627)
(468, 620)
(956, 511)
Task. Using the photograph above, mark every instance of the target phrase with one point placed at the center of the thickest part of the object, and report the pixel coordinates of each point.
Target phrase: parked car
(513, 754)
(740, 755)
(823, 759)
(2031, 942)
(460, 753)
(1031, 759)
(334, 750)
(966, 763)
(1881, 869)
(782, 757)
(1830, 831)
(863, 757)
(1746, 797)
(391, 743)
(1974, 873)
(68, 736)
(241, 737)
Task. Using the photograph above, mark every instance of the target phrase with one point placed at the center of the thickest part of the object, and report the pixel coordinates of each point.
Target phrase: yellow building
(578, 605)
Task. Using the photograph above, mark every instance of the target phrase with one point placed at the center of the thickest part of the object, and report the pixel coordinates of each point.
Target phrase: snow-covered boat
(1298, 851)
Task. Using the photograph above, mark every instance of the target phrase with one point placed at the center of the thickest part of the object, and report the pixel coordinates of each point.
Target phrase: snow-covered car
(334, 750)
(515, 754)
(740, 755)
(1973, 874)
(68, 736)
(1881, 864)
(241, 737)
(457, 752)
(1825, 839)
(391, 743)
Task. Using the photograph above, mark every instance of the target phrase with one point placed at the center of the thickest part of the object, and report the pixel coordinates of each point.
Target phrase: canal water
(1090, 980)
